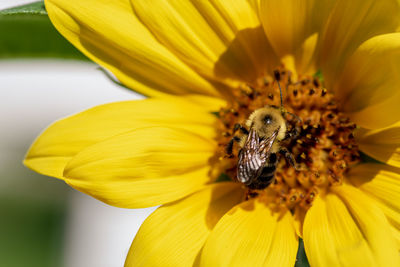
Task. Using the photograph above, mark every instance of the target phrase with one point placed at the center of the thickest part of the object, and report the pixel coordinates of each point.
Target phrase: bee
(262, 144)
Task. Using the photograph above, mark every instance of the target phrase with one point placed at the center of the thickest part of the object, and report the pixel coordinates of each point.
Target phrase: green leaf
(26, 32)
(36, 8)
(301, 258)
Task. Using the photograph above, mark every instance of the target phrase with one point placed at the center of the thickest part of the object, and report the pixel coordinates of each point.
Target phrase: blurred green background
(33, 207)
(33, 211)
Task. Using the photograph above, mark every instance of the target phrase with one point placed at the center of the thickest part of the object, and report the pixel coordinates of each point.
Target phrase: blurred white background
(84, 232)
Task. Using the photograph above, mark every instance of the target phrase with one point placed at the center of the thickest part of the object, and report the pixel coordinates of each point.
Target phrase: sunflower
(206, 66)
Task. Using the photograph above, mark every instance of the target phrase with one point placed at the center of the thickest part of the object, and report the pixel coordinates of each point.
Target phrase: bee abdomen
(265, 179)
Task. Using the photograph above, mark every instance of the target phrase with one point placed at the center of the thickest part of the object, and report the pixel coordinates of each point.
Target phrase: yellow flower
(193, 58)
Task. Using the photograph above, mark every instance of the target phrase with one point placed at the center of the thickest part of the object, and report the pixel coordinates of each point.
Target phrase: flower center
(322, 145)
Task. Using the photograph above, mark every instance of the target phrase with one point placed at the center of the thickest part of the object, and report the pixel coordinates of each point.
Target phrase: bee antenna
(277, 75)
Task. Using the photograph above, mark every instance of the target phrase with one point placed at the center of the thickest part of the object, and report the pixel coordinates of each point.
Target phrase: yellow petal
(174, 234)
(207, 103)
(304, 57)
(298, 216)
(373, 224)
(396, 235)
(382, 144)
(368, 87)
(351, 23)
(383, 184)
(216, 38)
(292, 28)
(255, 5)
(288, 23)
(111, 35)
(50, 165)
(142, 168)
(348, 229)
(64, 139)
(251, 235)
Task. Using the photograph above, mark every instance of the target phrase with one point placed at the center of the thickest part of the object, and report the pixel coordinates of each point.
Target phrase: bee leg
(289, 157)
(297, 118)
(250, 194)
(229, 147)
(241, 128)
(295, 131)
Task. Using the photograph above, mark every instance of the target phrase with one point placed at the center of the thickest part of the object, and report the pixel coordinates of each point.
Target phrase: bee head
(266, 120)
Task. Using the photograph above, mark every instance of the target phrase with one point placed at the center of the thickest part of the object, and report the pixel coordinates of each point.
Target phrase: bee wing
(253, 156)
(266, 144)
